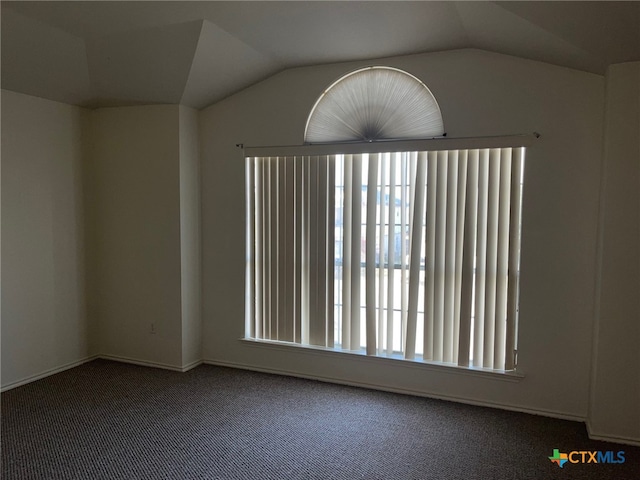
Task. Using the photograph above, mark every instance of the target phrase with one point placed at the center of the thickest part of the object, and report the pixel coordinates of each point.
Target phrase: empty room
(320, 240)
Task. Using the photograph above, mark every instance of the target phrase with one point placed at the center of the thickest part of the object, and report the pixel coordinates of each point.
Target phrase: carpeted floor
(107, 420)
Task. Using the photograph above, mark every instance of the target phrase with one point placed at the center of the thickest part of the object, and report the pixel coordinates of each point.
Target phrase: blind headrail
(428, 145)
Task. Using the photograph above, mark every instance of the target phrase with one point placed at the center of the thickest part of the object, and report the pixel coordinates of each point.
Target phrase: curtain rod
(432, 144)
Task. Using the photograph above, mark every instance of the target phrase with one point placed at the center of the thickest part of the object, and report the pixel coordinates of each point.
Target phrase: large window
(407, 249)
(409, 253)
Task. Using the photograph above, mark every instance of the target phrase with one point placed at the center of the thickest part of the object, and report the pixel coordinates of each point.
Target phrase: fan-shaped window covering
(374, 103)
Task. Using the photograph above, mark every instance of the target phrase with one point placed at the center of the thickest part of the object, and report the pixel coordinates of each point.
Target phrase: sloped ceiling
(196, 53)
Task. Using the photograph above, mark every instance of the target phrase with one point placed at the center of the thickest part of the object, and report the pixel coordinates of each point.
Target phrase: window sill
(510, 376)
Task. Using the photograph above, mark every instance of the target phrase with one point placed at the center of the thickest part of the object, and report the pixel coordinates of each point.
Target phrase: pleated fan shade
(374, 103)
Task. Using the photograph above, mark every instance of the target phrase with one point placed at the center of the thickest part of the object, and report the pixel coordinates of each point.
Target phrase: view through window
(412, 254)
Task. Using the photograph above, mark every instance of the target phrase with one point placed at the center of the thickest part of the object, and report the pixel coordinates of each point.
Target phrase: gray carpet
(107, 420)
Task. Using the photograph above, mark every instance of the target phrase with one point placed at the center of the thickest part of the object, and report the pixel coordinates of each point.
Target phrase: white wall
(615, 401)
(480, 93)
(190, 236)
(133, 233)
(44, 326)
(143, 234)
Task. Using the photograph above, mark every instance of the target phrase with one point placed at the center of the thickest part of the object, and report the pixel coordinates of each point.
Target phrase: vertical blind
(411, 254)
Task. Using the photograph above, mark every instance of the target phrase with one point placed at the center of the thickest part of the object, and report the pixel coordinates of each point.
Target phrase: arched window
(377, 238)
(374, 103)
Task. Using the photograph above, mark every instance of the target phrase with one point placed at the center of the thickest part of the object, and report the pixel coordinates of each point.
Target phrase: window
(401, 249)
(374, 103)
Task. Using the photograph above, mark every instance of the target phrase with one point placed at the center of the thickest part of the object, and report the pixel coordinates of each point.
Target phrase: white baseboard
(610, 438)
(405, 391)
(47, 373)
(115, 358)
(145, 363)
(190, 366)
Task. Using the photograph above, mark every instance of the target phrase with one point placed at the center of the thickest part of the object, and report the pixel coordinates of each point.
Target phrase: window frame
(367, 147)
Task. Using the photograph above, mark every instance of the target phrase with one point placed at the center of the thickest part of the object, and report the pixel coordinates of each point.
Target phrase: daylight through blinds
(411, 254)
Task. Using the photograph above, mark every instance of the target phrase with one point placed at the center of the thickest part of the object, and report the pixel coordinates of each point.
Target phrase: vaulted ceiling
(195, 53)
